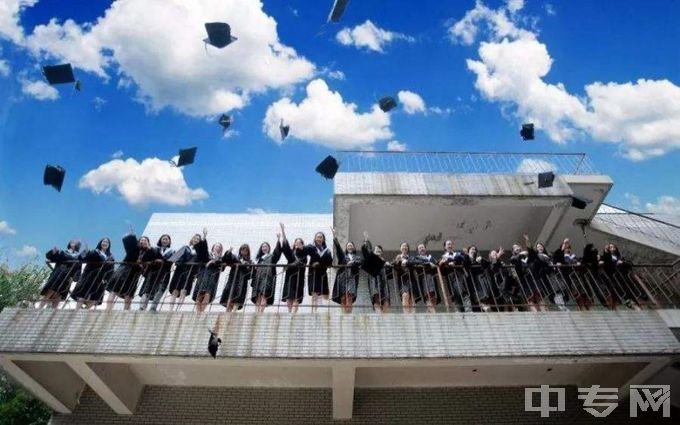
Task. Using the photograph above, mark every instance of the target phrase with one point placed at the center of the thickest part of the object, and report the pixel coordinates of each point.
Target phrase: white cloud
(336, 75)
(10, 10)
(664, 205)
(26, 251)
(369, 36)
(6, 229)
(39, 90)
(325, 119)
(117, 154)
(140, 184)
(515, 5)
(533, 166)
(98, 103)
(440, 111)
(258, 211)
(157, 45)
(396, 146)
(633, 199)
(642, 117)
(4, 68)
(550, 9)
(412, 102)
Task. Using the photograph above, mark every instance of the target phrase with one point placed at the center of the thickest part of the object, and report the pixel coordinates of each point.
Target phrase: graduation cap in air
(225, 121)
(60, 74)
(527, 131)
(213, 343)
(54, 176)
(337, 10)
(328, 167)
(285, 129)
(186, 157)
(219, 34)
(387, 103)
(579, 203)
(546, 179)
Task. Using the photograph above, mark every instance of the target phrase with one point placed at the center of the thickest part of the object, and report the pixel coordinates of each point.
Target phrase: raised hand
(205, 232)
(333, 231)
(365, 235)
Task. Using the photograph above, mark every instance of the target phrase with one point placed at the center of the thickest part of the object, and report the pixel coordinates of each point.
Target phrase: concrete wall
(469, 406)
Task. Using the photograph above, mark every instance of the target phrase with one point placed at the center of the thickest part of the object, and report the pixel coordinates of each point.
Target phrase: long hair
(354, 246)
(158, 244)
(241, 248)
(99, 245)
(148, 242)
(76, 245)
(260, 253)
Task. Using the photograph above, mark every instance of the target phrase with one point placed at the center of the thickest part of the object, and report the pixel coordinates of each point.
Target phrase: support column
(343, 392)
(116, 384)
(37, 388)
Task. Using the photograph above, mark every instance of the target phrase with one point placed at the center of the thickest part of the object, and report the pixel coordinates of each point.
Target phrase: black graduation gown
(455, 277)
(317, 276)
(501, 279)
(619, 277)
(478, 280)
(236, 288)
(427, 277)
(406, 277)
(157, 274)
(376, 268)
(66, 270)
(126, 276)
(207, 277)
(264, 278)
(346, 278)
(98, 270)
(294, 279)
(184, 274)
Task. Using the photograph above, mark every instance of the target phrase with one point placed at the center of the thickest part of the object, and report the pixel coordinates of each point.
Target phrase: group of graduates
(463, 280)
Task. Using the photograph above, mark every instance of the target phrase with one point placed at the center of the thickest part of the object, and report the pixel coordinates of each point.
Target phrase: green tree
(17, 286)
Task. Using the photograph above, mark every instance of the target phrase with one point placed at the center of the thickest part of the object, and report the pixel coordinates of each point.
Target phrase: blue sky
(146, 77)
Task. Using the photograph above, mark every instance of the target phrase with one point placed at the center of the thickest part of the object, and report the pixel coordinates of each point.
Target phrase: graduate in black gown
(503, 282)
(98, 270)
(618, 272)
(451, 265)
(157, 274)
(241, 271)
(263, 282)
(66, 271)
(208, 275)
(346, 278)
(378, 270)
(320, 259)
(294, 279)
(186, 268)
(426, 272)
(406, 279)
(478, 280)
(125, 278)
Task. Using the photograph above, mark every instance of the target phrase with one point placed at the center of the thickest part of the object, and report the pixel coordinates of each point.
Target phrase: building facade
(456, 365)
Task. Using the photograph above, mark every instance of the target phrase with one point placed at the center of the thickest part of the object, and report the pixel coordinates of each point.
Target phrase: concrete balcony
(57, 353)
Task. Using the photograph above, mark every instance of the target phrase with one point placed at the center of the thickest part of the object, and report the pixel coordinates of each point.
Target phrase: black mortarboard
(225, 121)
(213, 344)
(54, 176)
(337, 10)
(579, 203)
(387, 103)
(186, 156)
(59, 74)
(328, 167)
(219, 34)
(527, 131)
(285, 129)
(546, 179)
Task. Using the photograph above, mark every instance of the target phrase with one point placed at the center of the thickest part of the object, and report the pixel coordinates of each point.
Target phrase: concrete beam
(343, 392)
(654, 367)
(116, 384)
(35, 387)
